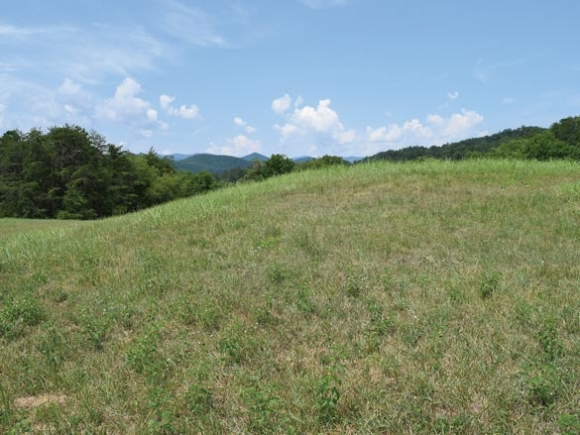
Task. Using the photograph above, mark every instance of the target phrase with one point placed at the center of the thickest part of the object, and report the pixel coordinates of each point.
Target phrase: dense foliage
(69, 173)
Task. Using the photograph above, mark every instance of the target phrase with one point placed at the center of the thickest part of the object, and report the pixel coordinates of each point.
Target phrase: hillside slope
(417, 298)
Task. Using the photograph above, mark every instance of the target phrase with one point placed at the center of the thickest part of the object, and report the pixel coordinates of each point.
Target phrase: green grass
(10, 227)
(420, 298)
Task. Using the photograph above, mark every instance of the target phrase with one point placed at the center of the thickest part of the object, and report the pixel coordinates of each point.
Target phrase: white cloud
(125, 104)
(282, 104)
(152, 114)
(165, 101)
(323, 4)
(436, 130)
(243, 124)
(460, 125)
(237, 146)
(184, 112)
(320, 122)
(453, 95)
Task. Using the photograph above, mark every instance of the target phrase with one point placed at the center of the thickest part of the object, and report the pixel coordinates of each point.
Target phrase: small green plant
(488, 285)
(199, 399)
(569, 423)
(304, 303)
(236, 344)
(543, 385)
(550, 341)
(276, 274)
(354, 285)
(144, 356)
(54, 348)
(162, 419)
(16, 314)
(328, 394)
(264, 410)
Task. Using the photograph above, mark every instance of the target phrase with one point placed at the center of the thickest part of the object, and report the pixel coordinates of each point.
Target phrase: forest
(69, 173)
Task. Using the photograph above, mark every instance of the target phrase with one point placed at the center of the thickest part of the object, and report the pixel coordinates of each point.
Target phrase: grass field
(420, 298)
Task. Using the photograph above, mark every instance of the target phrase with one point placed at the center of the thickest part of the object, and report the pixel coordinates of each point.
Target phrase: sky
(292, 77)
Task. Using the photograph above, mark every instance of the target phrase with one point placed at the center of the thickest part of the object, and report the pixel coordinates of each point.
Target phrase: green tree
(567, 130)
(542, 146)
(322, 162)
(277, 164)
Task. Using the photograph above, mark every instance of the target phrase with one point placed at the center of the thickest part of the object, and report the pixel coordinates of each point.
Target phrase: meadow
(382, 298)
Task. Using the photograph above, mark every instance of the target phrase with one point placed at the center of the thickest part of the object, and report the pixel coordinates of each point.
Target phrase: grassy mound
(416, 299)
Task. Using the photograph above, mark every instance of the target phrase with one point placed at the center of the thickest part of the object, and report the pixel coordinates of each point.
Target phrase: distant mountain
(178, 157)
(256, 156)
(211, 163)
(352, 159)
(302, 159)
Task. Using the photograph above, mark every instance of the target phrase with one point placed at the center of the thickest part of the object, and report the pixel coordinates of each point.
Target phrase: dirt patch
(31, 402)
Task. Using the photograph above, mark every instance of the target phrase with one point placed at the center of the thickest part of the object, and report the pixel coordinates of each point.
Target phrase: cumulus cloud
(184, 112)
(237, 146)
(127, 108)
(243, 124)
(436, 130)
(320, 123)
(282, 104)
(125, 104)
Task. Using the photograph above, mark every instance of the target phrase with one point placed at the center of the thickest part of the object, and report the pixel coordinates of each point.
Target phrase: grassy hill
(418, 298)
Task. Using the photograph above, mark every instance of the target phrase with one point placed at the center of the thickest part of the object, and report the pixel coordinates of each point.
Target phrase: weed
(276, 274)
(54, 348)
(488, 285)
(543, 385)
(16, 314)
(550, 341)
(305, 304)
(144, 356)
(328, 394)
(354, 285)
(569, 423)
(263, 410)
(162, 419)
(199, 399)
(236, 344)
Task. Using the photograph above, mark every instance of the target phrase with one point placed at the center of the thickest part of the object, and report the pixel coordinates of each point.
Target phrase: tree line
(70, 173)
(560, 141)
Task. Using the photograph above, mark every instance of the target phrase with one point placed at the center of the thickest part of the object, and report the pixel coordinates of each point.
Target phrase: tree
(542, 146)
(277, 164)
(567, 130)
(322, 162)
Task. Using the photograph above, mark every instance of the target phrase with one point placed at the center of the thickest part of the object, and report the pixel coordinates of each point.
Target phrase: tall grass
(429, 297)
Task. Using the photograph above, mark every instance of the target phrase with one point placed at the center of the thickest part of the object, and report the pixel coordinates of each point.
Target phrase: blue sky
(297, 77)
